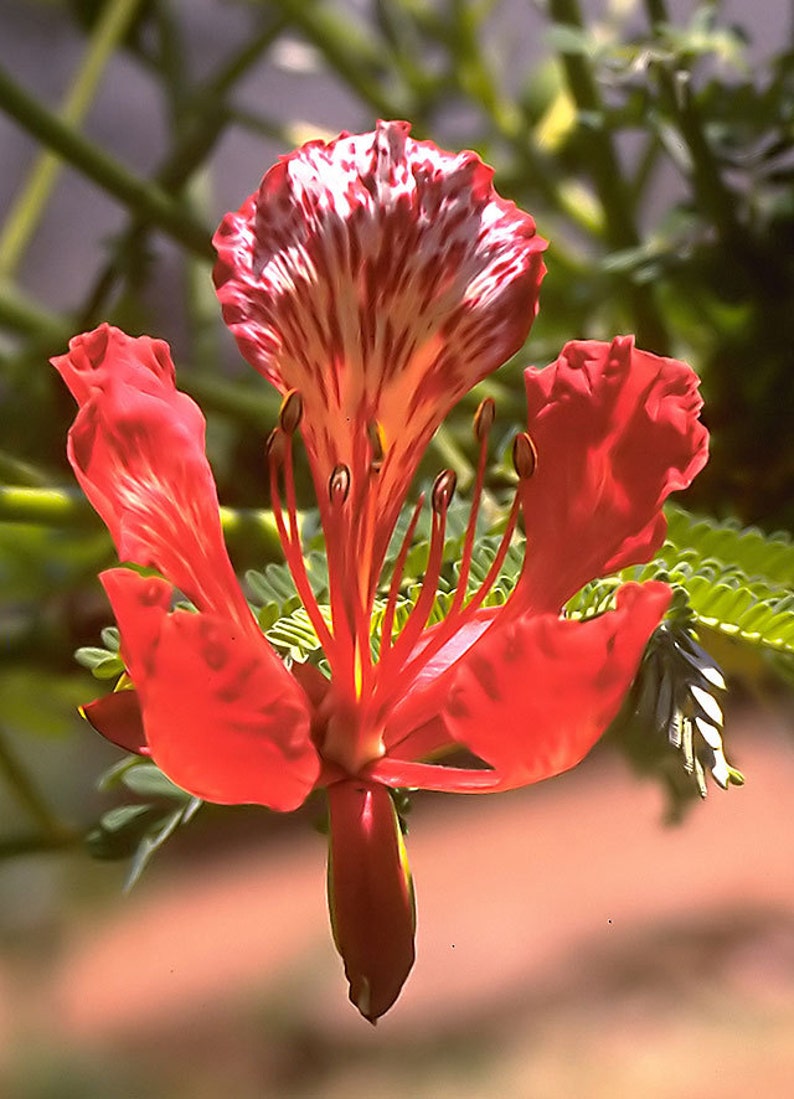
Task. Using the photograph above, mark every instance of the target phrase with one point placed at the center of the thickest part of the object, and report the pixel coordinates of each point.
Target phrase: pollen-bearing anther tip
(339, 485)
(525, 455)
(484, 418)
(375, 435)
(443, 491)
(291, 413)
(274, 447)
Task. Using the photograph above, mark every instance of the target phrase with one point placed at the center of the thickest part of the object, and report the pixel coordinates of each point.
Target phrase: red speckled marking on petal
(382, 277)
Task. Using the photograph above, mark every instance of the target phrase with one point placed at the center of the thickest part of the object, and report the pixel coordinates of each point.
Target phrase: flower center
(363, 690)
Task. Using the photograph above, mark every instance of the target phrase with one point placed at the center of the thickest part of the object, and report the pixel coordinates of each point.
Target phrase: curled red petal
(117, 717)
(535, 693)
(137, 449)
(381, 277)
(616, 430)
(223, 717)
(370, 894)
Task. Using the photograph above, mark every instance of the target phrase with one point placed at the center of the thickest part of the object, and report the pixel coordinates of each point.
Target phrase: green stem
(113, 24)
(202, 120)
(50, 507)
(712, 195)
(15, 470)
(347, 51)
(146, 199)
(26, 792)
(657, 12)
(607, 174)
(473, 74)
(54, 507)
(20, 314)
(39, 845)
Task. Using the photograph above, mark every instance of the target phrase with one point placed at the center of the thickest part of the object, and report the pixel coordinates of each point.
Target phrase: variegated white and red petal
(383, 278)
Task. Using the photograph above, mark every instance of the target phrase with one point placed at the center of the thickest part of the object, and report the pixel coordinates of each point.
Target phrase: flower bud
(370, 894)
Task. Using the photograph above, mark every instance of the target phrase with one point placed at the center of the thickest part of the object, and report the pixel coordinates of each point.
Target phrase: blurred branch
(199, 120)
(20, 314)
(54, 507)
(473, 73)
(28, 795)
(348, 53)
(36, 845)
(16, 471)
(115, 19)
(147, 199)
(607, 173)
(50, 507)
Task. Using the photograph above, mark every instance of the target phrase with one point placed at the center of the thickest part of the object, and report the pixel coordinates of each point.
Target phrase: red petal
(224, 719)
(382, 277)
(370, 896)
(117, 717)
(137, 449)
(534, 694)
(616, 431)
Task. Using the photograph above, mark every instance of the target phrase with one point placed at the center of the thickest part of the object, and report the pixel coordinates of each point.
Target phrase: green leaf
(162, 830)
(294, 635)
(120, 831)
(147, 780)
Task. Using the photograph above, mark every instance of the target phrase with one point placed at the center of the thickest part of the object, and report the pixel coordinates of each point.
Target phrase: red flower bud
(370, 894)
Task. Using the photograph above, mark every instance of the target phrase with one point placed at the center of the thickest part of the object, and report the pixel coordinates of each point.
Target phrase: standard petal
(534, 694)
(223, 717)
(137, 449)
(616, 430)
(381, 277)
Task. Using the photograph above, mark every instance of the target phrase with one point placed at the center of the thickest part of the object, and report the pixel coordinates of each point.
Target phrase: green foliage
(739, 582)
(138, 830)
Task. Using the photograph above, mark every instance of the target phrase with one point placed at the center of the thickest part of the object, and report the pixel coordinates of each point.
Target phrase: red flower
(373, 281)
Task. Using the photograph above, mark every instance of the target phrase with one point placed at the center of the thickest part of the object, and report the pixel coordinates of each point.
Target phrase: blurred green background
(654, 143)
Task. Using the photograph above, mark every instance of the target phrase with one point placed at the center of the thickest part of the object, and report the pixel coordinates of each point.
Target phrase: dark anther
(443, 491)
(274, 447)
(376, 445)
(484, 418)
(525, 455)
(339, 485)
(289, 417)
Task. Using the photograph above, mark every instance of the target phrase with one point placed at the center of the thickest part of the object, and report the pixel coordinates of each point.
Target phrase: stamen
(443, 489)
(525, 459)
(291, 412)
(279, 452)
(375, 436)
(339, 486)
(387, 625)
(484, 418)
(337, 543)
(483, 422)
(525, 455)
